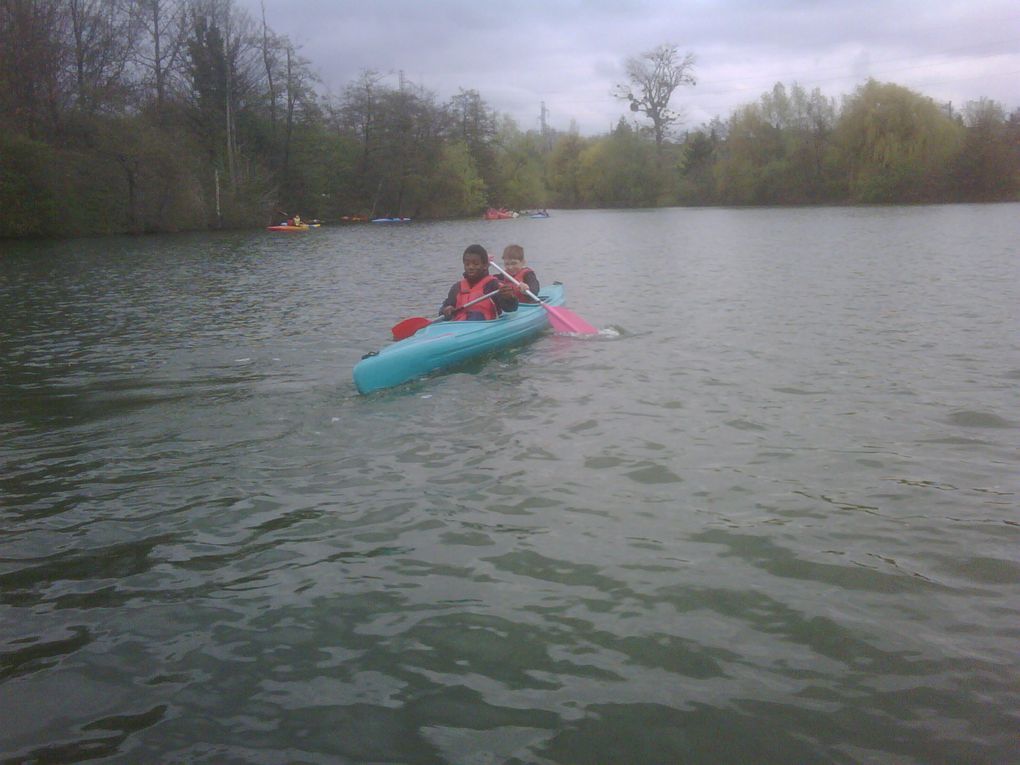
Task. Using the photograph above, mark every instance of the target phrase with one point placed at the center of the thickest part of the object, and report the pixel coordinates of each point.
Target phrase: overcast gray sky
(570, 53)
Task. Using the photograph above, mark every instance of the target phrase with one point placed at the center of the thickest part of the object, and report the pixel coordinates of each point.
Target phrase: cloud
(569, 53)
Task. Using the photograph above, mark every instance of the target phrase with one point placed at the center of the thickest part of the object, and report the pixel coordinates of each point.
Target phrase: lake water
(768, 515)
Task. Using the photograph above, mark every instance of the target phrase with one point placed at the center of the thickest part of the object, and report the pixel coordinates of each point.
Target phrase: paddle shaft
(486, 296)
(408, 327)
(560, 318)
(526, 291)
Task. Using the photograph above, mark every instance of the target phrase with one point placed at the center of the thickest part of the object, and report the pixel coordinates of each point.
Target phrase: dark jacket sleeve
(532, 281)
(451, 298)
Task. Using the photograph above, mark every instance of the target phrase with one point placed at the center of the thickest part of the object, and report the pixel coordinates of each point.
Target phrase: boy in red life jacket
(478, 281)
(513, 264)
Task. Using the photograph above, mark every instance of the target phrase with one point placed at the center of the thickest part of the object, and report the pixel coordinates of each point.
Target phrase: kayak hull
(288, 228)
(446, 343)
(502, 214)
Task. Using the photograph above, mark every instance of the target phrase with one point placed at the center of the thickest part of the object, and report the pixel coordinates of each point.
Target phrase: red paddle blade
(563, 320)
(408, 327)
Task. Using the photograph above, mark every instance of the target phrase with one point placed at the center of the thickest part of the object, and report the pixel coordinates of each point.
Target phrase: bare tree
(269, 48)
(32, 65)
(164, 25)
(102, 37)
(225, 66)
(654, 76)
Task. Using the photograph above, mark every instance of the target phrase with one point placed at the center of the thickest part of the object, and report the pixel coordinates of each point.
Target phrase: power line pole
(546, 130)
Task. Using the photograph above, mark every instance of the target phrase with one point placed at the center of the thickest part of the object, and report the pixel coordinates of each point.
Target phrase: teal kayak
(446, 343)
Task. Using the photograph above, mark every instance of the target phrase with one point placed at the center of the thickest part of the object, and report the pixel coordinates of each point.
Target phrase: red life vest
(519, 291)
(468, 292)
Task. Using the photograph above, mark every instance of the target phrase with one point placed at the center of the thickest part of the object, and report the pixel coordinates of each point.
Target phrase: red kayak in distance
(285, 227)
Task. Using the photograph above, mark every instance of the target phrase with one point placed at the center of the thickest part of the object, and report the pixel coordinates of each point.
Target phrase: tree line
(165, 115)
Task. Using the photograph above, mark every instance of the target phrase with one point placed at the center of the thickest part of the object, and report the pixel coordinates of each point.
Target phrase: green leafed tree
(358, 115)
(562, 169)
(776, 150)
(521, 169)
(895, 145)
(454, 187)
(620, 170)
(31, 191)
(410, 128)
(698, 157)
(988, 167)
(472, 121)
(753, 159)
(156, 115)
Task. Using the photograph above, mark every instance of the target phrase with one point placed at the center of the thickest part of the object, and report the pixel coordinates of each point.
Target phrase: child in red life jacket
(513, 264)
(478, 281)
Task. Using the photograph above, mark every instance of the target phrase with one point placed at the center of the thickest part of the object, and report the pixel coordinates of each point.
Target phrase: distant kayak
(501, 214)
(284, 227)
(391, 220)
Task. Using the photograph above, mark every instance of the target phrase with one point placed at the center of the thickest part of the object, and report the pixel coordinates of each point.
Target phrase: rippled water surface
(768, 515)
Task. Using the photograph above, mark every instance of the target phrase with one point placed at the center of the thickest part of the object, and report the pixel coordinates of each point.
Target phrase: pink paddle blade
(560, 319)
(563, 320)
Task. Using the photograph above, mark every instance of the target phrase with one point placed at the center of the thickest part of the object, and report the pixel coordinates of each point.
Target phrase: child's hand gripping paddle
(408, 327)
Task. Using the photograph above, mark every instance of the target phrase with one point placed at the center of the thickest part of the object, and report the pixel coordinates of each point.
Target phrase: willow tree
(653, 78)
(896, 145)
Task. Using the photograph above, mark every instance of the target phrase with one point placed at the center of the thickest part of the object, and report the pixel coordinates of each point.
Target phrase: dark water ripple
(769, 515)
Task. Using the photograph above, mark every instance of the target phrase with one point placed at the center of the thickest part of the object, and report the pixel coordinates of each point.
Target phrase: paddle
(408, 327)
(560, 318)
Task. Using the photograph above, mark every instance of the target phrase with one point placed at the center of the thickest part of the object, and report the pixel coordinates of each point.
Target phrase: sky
(568, 54)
